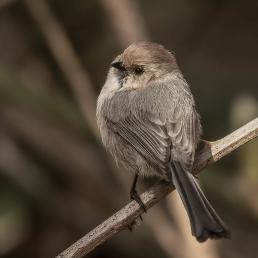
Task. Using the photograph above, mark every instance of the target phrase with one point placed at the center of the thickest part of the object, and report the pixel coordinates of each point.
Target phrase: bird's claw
(135, 196)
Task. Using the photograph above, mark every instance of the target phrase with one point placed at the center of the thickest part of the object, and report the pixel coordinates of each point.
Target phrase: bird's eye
(138, 70)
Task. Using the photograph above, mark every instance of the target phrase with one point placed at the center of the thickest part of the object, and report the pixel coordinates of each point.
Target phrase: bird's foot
(134, 196)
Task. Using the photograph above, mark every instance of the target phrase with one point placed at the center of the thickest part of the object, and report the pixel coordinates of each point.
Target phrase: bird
(148, 121)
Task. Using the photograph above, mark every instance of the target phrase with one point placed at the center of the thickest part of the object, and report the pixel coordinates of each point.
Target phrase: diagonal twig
(212, 152)
(66, 57)
(4, 3)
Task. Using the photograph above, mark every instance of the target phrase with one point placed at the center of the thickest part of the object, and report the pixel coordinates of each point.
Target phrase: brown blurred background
(56, 181)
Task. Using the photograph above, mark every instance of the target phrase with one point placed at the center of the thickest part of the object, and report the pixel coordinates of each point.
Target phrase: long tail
(205, 222)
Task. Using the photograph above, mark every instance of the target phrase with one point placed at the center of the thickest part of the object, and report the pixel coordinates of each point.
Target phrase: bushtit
(147, 119)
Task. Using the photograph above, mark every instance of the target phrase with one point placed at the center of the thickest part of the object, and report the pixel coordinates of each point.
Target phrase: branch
(212, 152)
(66, 58)
(4, 3)
(125, 20)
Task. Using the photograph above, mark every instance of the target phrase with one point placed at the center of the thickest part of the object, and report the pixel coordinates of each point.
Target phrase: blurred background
(56, 181)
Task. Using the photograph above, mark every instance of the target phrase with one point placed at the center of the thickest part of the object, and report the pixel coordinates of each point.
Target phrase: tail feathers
(205, 222)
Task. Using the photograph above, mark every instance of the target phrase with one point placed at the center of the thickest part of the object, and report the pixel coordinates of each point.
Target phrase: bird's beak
(118, 65)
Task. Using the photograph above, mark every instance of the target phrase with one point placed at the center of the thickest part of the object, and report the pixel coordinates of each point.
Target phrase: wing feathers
(159, 142)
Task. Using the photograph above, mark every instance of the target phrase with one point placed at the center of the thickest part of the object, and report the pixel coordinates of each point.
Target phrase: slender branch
(4, 3)
(126, 20)
(66, 58)
(212, 152)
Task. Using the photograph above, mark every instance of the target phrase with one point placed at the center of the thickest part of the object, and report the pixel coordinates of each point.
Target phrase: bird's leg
(135, 196)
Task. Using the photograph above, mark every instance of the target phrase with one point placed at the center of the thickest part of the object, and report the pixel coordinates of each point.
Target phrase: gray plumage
(147, 119)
